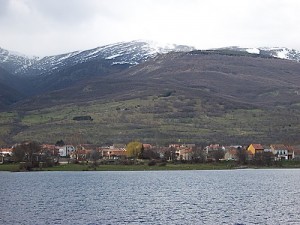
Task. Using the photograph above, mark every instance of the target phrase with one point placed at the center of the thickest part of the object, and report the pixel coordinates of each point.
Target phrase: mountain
(14, 62)
(134, 93)
(8, 95)
(254, 80)
(9, 88)
(198, 96)
(61, 71)
(128, 53)
(277, 52)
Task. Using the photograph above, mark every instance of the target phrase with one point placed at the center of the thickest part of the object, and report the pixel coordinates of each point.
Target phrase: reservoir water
(151, 197)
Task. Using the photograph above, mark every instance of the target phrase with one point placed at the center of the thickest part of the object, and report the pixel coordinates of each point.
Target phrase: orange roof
(279, 147)
(232, 151)
(118, 152)
(83, 151)
(258, 146)
(48, 146)
(147, 146)
(5, 150)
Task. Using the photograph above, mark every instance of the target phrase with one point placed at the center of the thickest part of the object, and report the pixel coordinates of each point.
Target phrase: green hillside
(191, 97)
(155, 120)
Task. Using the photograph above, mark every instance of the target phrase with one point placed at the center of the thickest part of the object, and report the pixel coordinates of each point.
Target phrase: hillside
(9, 88)
(242, 79)
(199, 96)
(276, 52)
(49, 73)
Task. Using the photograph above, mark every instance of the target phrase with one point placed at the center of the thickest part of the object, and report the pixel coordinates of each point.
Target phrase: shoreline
(145, 167)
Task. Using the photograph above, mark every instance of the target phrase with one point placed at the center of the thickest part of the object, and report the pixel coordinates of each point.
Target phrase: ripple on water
(162, 197)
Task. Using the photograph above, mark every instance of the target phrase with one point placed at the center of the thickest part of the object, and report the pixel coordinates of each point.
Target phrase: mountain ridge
(130, 53)
(277, 52)
(201, 95)
(118, 53)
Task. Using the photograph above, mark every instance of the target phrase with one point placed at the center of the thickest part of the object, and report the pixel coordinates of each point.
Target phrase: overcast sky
(48, 27)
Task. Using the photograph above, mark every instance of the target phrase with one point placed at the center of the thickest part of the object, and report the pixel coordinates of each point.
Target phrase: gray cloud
(65, 12)
(3, 8)
(54, 26)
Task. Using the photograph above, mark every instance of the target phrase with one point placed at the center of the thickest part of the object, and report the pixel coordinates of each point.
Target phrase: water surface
(151, 197)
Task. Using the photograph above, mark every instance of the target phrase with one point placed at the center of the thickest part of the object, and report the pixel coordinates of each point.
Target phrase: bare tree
(242, 155)
(198, 155)
(27, 152)
(218, 154)
(95, 156)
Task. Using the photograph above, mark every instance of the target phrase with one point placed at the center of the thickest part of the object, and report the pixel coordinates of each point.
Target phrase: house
(65, 150)
(231, 154)
(5, 151)
(184, 153)
(281, 151)
(174, 146)
(254, 149)
(214, 147)
(52, 149)
(5, 155)
(147, 146)
(162, 152)
(211, 150)
(113, 153)
(81, 154)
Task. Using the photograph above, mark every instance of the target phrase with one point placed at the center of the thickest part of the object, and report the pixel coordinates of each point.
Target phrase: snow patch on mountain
(277, 52)
(13, 61)
(283, 53)
(113, 56)
(132, 53)
(253, 50)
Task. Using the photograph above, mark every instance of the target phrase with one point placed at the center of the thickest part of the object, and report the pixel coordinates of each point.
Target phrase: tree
(170, 154)
(218, 154)
(27, 152)
(242, 155)
(268, 158)
(198, 155)
(95, 156)
(149, 154)
(134, 149)
(60, 143)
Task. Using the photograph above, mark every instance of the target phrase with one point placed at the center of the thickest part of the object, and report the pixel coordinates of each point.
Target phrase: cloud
(53, 26)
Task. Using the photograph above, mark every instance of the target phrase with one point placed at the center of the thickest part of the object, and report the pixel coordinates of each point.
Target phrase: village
(61, 153)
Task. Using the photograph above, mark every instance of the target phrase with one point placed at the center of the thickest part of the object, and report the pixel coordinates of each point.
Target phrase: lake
(151, 197)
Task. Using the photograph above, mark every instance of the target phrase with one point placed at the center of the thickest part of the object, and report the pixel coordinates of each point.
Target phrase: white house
(65, 150)
(280, 151)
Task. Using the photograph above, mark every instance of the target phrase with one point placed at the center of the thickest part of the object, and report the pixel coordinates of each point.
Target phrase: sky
(49, 27)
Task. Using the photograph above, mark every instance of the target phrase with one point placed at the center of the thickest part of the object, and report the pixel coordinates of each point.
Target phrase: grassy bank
(89, 167)
(78, 167)
(146, 167)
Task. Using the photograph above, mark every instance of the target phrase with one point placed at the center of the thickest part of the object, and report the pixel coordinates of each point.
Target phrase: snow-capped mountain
(282, 53)
(277, 52)
(13, 61)
(130, 53)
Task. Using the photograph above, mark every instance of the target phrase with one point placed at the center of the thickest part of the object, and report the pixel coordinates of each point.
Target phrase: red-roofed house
(281, 151)
(5, 154)
(147, 146)
(5, 151)
(254, 149)
(113, 153)
(231, 154)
